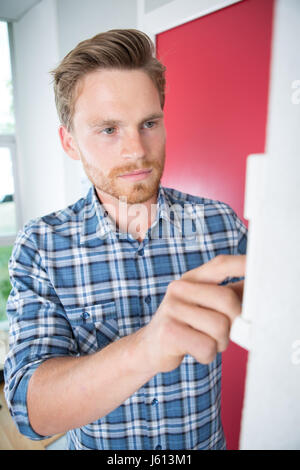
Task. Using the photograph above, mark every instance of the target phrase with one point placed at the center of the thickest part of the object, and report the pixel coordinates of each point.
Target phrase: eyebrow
(116, 122)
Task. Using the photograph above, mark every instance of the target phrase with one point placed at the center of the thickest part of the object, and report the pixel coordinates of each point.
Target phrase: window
(7, 203)
(9, 208)
(7, 121)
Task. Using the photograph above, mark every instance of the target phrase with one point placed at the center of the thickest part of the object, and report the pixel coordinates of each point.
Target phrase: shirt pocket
(94, 326)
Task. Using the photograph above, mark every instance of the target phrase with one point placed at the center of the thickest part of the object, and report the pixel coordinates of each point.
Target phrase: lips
(137, 175)
(137, 172)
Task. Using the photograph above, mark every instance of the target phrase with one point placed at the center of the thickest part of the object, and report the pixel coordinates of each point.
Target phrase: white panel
(255, 196)
(283, 126)
(271, 414)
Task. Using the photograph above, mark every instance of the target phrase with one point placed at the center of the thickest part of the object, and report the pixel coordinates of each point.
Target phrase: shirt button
(85, 315)
(141, 252)
(158, 447)
(148, 299)
(154, 402)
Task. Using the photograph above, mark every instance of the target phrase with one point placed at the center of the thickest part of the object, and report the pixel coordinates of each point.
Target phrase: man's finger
(208, 321)
(218, 269)
(209, 296)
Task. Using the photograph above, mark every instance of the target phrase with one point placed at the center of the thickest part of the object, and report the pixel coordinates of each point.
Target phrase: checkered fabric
(78, 284)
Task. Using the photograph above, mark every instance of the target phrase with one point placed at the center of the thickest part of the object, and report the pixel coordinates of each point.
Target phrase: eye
(108, 130)
(149, 124)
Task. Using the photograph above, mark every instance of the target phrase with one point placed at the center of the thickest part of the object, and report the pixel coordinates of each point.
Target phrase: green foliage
(5, 286)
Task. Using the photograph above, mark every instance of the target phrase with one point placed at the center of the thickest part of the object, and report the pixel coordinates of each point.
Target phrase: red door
(218, 70)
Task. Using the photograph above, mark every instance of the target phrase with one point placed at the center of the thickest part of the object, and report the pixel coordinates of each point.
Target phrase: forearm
(69, 392)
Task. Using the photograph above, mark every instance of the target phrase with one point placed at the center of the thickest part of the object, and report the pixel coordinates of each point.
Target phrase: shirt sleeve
(39, 328)
(241, 235)
(238, 235)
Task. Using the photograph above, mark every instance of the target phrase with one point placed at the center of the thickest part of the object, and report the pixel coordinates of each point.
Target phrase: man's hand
(195, 315)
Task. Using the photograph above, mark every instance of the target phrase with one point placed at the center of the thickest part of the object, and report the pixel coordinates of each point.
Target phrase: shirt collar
(164, 212)
(97, 224)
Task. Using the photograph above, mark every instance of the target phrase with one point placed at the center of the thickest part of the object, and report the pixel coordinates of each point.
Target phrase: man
(121, 303)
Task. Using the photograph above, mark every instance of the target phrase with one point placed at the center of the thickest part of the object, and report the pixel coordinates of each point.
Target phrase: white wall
(39, 158)
(150, 5)
(50, 180)
(78, 20)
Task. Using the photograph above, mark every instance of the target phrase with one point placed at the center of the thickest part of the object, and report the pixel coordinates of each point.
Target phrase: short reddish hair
(115, 49)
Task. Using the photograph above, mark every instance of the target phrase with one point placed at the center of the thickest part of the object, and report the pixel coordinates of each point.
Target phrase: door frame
(175, 13)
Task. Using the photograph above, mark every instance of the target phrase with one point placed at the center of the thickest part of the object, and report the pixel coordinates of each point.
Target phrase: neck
(130, 218)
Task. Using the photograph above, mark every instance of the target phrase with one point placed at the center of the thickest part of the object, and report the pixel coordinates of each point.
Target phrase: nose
(132, 145)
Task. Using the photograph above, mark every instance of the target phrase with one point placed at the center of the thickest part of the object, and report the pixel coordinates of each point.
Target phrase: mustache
(121, 170)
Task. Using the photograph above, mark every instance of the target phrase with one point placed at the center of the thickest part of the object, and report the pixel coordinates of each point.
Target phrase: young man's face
(119, 129)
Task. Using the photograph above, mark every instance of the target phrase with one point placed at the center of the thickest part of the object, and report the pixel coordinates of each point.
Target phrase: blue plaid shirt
(79, 284)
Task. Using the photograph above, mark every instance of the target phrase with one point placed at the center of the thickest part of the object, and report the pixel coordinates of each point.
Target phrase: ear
(68, 143)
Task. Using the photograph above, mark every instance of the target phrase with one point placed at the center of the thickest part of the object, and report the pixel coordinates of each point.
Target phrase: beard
(133, 192)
